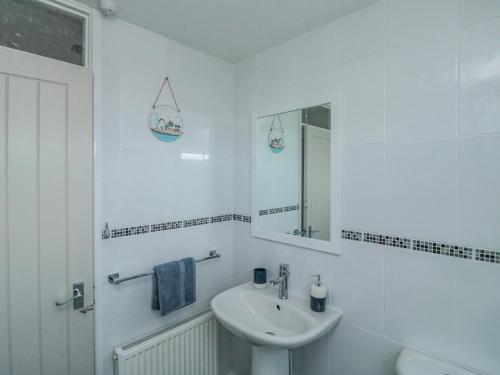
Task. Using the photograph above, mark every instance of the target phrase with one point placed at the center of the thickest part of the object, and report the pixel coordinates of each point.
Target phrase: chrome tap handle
(284, 269)
(278, 280)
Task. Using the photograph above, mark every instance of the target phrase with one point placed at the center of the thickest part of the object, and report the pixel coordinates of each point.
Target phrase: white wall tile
(480, 79)
(295, 74)
(137, 254)
(225, 357)
(419, 300)
(300, 279)
(242, 356)
(312, 63)
(410, 20)
(314, 358)
(245, 77)
(360, 34)
(243, 185)
(363, 187)
(275, 78)
(421, 190)
(356, 351)
(255, 252)
(476, 327)
(479, 184)
(145, 181)
(394, 296)
(358, 285)
(475, 11)
(361, 84)
(422, 91)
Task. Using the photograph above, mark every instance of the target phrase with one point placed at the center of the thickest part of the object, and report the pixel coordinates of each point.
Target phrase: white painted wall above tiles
(421, 141)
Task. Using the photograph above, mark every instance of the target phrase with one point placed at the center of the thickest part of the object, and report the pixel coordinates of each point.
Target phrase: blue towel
(174, 285)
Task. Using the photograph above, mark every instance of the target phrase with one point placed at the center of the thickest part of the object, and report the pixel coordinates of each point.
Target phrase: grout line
(426, 140)
(7, 229)
(37, 230)
(476, 23)
(66, 220)
(385, 170)
(361, 57)
(454, 302)
(458, 125)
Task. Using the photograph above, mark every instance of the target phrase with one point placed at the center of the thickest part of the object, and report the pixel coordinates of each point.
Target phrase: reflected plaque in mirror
(292, 174)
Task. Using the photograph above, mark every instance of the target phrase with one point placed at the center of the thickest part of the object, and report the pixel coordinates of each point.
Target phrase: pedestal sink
(271, 325)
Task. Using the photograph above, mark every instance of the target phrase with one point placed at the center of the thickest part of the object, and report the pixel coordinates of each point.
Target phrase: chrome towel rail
(114, 278)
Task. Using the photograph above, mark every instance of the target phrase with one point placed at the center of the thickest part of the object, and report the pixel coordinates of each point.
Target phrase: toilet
(414, 363)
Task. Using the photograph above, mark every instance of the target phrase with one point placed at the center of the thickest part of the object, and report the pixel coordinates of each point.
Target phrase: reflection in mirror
(293, 172)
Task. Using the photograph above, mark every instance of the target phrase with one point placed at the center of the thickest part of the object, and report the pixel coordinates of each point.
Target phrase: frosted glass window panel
(35, 27)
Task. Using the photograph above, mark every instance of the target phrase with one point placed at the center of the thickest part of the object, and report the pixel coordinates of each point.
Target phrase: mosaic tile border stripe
(171, 225)
(243, 218)
(195, 222)
(221, 218)
(166, 226)
(487, 256)
(278, 210)
(443, 249)
(129, 231)
(439, 248)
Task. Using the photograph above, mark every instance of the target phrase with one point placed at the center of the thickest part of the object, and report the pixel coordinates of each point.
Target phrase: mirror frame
(332, 246)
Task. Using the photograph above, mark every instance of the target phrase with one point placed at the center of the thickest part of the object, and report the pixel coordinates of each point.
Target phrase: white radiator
(187, 347)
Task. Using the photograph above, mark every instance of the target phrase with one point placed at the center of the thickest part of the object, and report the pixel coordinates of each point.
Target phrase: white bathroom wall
(421, 143)
(142, 181)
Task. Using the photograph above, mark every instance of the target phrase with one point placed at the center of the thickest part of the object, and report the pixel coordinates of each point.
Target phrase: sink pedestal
(269, 361)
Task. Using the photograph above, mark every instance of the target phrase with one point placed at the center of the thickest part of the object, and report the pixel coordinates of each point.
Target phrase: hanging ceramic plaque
(165, 121)
(276, 136)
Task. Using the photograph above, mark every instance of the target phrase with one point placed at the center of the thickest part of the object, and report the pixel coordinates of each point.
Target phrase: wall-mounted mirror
(293, 166)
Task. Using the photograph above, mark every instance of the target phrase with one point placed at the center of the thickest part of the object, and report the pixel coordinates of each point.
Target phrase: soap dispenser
(318, 295)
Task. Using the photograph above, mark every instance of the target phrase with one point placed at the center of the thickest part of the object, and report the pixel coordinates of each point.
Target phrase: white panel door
(317, 182)
(45, 215)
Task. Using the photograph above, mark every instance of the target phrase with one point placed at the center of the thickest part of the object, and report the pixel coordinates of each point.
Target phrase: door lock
(86, 309)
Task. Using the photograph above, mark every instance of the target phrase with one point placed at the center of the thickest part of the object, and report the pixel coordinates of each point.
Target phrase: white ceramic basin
(260, 317)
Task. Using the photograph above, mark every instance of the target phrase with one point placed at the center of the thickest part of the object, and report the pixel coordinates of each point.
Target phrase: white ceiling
(232, 29)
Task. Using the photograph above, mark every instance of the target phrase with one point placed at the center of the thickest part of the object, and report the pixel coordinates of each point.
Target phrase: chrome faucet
(282, 281)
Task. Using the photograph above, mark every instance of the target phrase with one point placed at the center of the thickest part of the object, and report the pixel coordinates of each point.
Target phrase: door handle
(78, 294)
